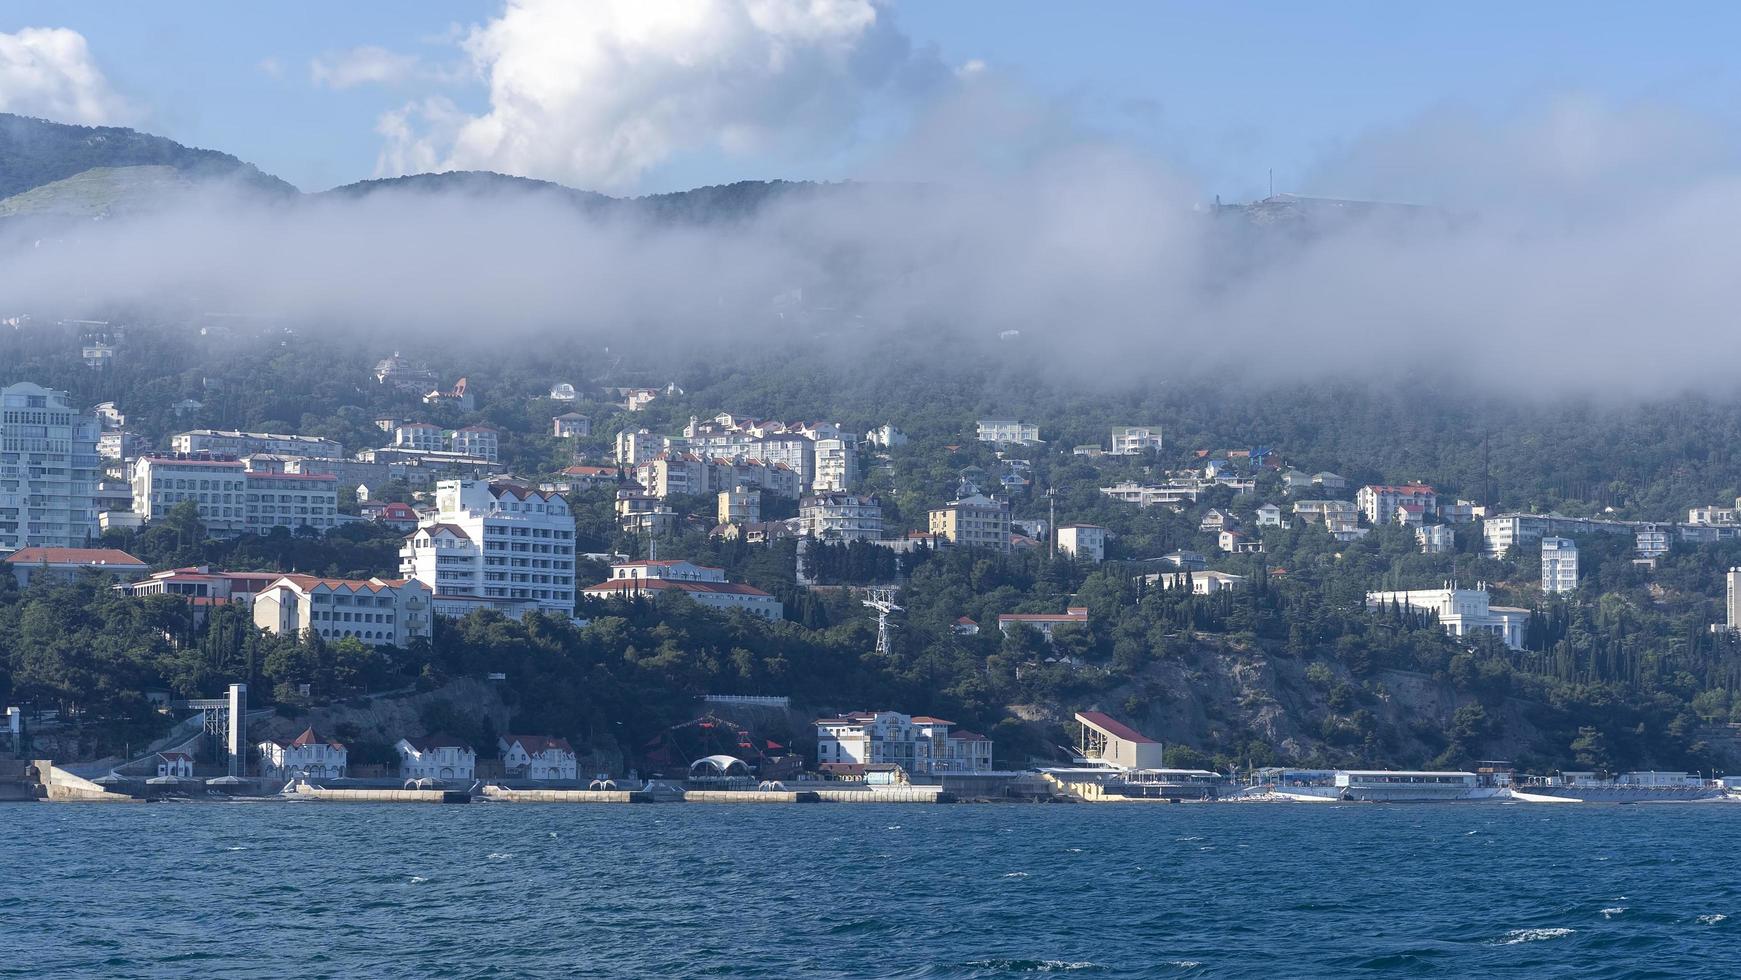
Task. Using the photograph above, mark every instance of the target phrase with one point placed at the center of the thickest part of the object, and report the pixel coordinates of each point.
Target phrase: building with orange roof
(378, 612)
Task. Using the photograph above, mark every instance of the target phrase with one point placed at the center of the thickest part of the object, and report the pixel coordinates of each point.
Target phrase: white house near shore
(307, 754)
(537, 757)
(436, 757)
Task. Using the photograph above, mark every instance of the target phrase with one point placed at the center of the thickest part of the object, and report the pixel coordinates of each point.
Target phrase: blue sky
(1222, 91)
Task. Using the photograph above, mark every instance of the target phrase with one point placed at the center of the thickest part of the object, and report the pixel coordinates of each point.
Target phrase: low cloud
(597, 94)
(49, 72)
(1110, 264)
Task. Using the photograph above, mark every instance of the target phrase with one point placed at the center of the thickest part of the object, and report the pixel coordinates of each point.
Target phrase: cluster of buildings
(854, 744)
(432, 758)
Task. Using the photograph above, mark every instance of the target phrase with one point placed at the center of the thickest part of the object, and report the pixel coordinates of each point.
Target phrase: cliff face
(1228, 700)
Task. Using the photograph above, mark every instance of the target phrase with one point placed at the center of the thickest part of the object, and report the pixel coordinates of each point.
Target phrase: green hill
(34, 152)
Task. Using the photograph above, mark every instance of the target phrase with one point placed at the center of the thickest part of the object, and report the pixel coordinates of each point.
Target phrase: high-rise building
(497, 542)
(231, 497)
(48, 469)
(836, 466)
(1734, 603)
(1559, 565)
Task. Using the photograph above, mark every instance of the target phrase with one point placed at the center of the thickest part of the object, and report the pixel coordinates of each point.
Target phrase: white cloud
(49, 72)
(365, 65)
(271, 65)
(596, 94)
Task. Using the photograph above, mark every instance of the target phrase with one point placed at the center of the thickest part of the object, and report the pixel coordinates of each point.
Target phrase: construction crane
(883, 601)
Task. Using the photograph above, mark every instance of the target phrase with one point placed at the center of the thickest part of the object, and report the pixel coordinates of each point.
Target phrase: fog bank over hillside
(1107, 262)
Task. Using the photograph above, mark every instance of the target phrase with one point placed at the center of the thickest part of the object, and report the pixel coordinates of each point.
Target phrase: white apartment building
(48, 469)
(1134, 440)
(841, 517)
(1462, 612)
(1175, 496)
(836, 466)
(1084, 541)
(291, 500)
(219, 487)
(570, 425)
(379, 612)
(1507, 531)
(231, 498)
(1379, 503)
(436, 757)
(1559, 565)
(1732, 604)
(1008, 432)
(477, 441)
(974, 522)
(637, 446)
(421, 436)
(307, 754)
(538, 757)
(495, 541)
(703, 583)
(1436, 539)
(919, 744)
(221, 442)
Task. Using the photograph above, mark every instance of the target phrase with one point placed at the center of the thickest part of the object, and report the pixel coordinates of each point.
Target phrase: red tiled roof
(967, 736)
(1117, 729)
(353, 584)
(75, 556)
(928, 720)
(539, 744)
(681, 585)
(1043, 618)
(429, 743)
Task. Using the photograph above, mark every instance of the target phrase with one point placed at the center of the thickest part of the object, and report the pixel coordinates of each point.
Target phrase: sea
(314, 890)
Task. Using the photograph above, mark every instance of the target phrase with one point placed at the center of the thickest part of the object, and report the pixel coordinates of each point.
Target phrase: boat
(1628, 787)
(1374, 786)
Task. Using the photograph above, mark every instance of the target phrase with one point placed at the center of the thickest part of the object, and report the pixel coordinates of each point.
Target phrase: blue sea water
(517, 890)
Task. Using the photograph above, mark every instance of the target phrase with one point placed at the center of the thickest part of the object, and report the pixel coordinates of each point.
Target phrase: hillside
(35, 152)
(98, 192)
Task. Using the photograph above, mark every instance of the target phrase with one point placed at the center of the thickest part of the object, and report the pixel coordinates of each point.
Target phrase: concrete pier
(749, 796)
(384, 795)
(567, 795)
(61, 786)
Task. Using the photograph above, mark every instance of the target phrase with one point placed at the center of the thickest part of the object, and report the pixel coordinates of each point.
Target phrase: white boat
(1628, 787)
(1373, 785)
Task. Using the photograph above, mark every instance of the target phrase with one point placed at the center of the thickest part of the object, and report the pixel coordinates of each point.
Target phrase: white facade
(495, 541)
(1462, 612)
(920, 745)
(1559, 565)
(1732, 605)
(841, 517)
(1008, 432)
(1084, 541)
(570, 425)
(1380, 503)
(702, 583)
(231, 498)
(537, 757)
(444, 759)
(1436, 539)
(740, 505)
(886, 436)
(376, 611)
(1199, 582)
(836, 466)
(421, 436)
(48, 469)
(220, 442)
(477, 441)
(307, 754)
(1134, 440)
